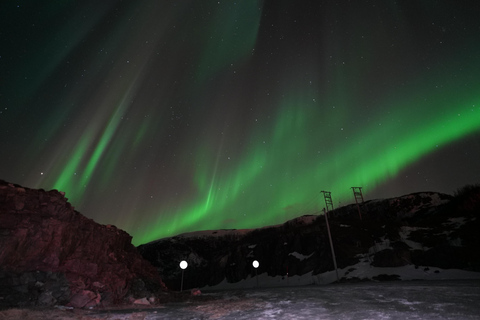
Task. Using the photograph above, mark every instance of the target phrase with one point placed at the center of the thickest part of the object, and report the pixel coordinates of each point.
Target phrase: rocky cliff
(51, 254)
(422, 229)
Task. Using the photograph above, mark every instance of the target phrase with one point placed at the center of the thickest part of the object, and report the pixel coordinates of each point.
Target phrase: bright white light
(255, 264)
(183, 264)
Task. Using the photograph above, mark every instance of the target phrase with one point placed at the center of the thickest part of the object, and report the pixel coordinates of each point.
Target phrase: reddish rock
(41, 231)
(84, 298)
(142, 301)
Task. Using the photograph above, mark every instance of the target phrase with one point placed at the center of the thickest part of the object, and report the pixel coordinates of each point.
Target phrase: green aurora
(165, 117)
(268, 186)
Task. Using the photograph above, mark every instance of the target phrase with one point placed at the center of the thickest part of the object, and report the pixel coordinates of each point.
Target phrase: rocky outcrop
(421, 229)
(51, 254)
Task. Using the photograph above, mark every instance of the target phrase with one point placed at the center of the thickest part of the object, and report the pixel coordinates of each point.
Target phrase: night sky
(163, 117)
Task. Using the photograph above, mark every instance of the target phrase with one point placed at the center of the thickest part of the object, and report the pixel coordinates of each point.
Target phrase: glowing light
(183, 265)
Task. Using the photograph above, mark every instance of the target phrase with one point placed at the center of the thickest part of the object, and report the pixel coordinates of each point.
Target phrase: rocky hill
(421, 230)
(51, 254)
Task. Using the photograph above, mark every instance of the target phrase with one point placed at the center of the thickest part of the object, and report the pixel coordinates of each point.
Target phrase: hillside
(421, 234)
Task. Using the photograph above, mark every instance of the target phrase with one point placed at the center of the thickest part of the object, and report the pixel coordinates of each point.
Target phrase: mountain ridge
(428, 229)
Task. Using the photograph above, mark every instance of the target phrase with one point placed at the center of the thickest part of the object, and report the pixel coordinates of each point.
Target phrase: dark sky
(163, 117)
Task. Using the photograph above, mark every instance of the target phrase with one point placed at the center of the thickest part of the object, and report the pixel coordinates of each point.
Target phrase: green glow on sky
(164, 117)
(64, 181)
(88, 154)
(231, 36)
(283, 175)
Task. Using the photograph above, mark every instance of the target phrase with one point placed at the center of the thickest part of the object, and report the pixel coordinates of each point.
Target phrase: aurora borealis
(163, 117)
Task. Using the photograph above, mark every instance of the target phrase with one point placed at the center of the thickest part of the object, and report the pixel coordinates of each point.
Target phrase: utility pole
(357, 193)
(328, 201)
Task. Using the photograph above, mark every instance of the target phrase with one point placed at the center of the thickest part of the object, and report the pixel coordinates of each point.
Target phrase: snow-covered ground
(448, 299)
(421, 299)
(392, 300)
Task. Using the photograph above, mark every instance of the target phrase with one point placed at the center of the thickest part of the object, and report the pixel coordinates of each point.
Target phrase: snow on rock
(300, 256)
(363, 270)
(404, 235)
(456, 222)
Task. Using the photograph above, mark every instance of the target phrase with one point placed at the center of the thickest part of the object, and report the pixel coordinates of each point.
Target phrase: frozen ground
(452, 299)
(392, 300)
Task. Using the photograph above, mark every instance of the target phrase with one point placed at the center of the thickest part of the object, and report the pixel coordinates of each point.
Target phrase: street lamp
(256, 264)
(183, 266)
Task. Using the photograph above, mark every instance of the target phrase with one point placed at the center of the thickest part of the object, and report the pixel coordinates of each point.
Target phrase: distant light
(183, 265)
(255, 264)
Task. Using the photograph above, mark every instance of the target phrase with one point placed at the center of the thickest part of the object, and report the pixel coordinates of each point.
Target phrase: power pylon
(357, 193)
(327, 195)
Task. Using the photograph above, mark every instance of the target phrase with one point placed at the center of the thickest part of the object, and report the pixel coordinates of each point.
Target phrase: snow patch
(361, 270)
(300, 256)
(456, 222)
(405, 234)
(379, 246)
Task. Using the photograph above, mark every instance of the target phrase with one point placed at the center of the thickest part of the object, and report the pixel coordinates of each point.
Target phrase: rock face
(51, 254)
(422, 229)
